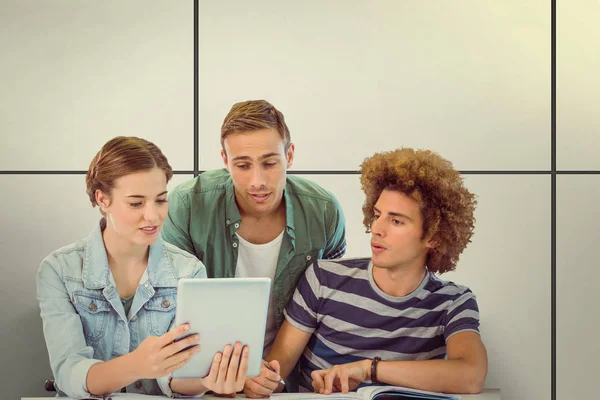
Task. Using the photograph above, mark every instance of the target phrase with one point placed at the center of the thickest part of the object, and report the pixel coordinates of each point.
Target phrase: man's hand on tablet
(228, 370)
(266, 383)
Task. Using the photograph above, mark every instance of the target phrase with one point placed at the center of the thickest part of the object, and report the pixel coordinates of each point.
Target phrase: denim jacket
(84, 320)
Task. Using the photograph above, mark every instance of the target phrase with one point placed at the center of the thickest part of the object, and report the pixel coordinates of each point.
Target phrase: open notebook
(372, 393)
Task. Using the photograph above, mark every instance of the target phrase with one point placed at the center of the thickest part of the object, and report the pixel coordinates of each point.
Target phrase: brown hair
(253, 115)
(120, 156)
(446, 205)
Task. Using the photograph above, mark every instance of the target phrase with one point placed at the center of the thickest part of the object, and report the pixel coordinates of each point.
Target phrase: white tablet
(223, 311)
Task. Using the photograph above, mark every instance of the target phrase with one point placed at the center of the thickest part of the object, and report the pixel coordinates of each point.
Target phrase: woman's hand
(158, 356)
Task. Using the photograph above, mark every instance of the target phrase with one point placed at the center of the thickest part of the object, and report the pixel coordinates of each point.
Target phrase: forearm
(110, 376)
(287, 357)
(448, 376)
(286, 362)
(287, 349)
(188, 387)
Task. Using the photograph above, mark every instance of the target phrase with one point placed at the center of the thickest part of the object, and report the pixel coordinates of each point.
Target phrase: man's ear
(290, 155)
(224, 157)
(432, 242)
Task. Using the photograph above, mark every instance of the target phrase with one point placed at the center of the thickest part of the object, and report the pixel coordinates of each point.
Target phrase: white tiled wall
(469, 79)
(75, 74)
(577, 84)
(578, 286)
(507, 266)
(578, 134)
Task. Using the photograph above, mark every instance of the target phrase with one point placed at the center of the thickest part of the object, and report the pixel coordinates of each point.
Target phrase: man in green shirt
(251, 219)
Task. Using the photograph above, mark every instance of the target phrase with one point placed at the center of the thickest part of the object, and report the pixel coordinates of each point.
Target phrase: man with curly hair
(389, 319)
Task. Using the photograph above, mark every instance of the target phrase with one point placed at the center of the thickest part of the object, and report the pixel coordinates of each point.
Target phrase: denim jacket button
(93, 306)
(166, 303)
(234, 244)
(134, 318)
(308, 258)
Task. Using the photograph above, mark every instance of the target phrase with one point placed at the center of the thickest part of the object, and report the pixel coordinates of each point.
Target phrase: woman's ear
(102, 200)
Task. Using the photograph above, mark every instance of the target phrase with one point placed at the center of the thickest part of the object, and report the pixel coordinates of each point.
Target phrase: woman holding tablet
(107, 301)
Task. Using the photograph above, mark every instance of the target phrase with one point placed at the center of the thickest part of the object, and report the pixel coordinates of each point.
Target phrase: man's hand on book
(340, 378)
(266, 383)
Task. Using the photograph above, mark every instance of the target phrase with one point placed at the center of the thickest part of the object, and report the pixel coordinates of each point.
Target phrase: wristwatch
(374, 369)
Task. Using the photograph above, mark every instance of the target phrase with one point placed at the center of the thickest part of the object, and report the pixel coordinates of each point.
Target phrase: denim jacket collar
(96, 273)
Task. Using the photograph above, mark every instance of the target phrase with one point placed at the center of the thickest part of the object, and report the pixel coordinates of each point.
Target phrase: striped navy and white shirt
(351, 319)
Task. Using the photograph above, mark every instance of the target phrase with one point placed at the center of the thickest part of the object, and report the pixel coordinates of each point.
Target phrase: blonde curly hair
(446, 205)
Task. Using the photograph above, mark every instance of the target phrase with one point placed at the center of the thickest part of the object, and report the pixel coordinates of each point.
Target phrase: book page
(368, 392)
(316, 396)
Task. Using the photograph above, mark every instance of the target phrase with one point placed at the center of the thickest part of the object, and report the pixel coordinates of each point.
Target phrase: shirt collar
(289, 211)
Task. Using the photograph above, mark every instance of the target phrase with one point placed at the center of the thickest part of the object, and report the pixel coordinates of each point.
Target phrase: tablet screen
(223, 311)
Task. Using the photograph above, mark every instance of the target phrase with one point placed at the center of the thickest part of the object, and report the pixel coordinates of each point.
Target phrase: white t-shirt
(257, 261)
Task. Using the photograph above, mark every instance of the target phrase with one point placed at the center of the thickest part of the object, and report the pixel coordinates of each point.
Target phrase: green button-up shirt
(203, 219)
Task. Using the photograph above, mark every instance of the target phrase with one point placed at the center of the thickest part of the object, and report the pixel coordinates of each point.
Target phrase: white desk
(487, 394)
